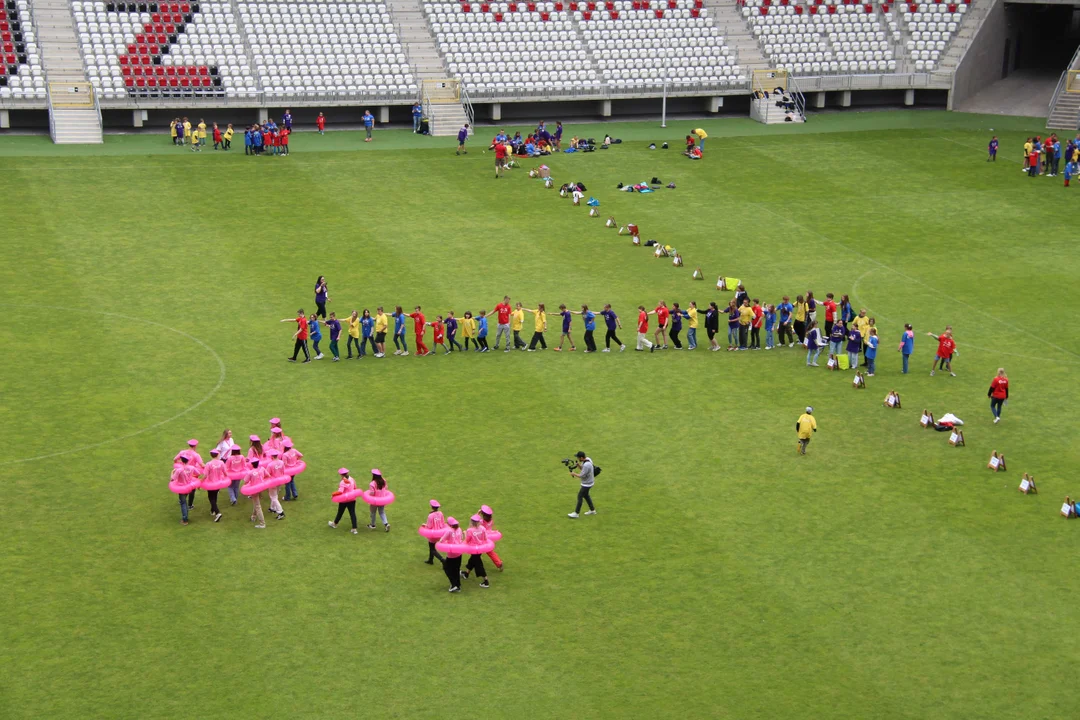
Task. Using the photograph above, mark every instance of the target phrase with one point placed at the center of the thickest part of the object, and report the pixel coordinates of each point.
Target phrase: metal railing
(796, 94)
(466, 103)
(1073, 65)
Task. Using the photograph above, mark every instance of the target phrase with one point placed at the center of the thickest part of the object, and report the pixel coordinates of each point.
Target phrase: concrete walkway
(1025, 92)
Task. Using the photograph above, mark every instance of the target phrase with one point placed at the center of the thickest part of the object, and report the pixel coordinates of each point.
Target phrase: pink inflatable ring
(257, 488)
(431, 534)
(494, 535)
(277, 480)
(382, 500)
(347, 496)
(218, 485)
(465, 548)
(296, 469)
(184, 488)
(237, 475)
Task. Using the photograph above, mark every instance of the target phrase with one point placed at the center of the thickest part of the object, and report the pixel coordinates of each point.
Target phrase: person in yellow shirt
(517, 321)
(802, 309)
(202, 131)
(196, 143)
(863, 324)
(468, 330)
(381, 324)
(353, 321)
(805, 427)
(187, 130)
(691, 325)
(172, 131)
(539, 326)
(700, 135)
(746, 316)
(228, 137)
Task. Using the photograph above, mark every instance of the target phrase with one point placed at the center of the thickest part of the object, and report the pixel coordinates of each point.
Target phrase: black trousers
(610, 337)
(320, 310)
(211, 495)
(673, 335)
(298, 346)
(583, 494)
(475, 342)
(742, 335)
(482, 342)
(518, 342)
(800, 330)
(452, 568)
(476, 563)
(351, 507)
(432, 553)
(590, 343)
(538, 337)
(350, 343)
(828, 328)
(755, 337)
(785, 331)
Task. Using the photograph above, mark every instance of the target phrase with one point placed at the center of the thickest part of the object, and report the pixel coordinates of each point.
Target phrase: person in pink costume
(347, 484)
(182, 474)
(194, 461)
(291, 457)
(254, 478)
(486, 515)
(452, 564)
(275, 469)
(476, 535)
(236, 465)
(256, 451)
(376, 488)
(434, 521)
(276, 423)
(215, 473)
(276, 441)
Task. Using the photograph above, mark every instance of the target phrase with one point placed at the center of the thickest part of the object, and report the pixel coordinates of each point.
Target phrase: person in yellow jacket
(539, 326)
(517, 321)
(172, 131)
(202, 131)
(700, 134)
(196, 143)
(805, 427)
(353, 321)
(228, 137)
(187, 130)
(469, 330)
(382, 324)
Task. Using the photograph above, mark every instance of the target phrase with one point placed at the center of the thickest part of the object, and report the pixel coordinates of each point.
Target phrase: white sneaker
(590, 512)
(353, 531)
(606, 350)
(260, 527)
(380, 355)
(404, 353)
(571, 515)
(622, 348)
(397, 352)
(997, 420)
(454, 589)
(953, 374)
(331, 524)
(319, 356)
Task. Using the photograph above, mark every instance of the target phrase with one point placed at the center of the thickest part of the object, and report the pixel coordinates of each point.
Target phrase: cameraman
(586, 475)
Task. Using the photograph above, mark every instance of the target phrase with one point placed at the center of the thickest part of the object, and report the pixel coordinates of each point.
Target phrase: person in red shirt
(284, 139)
(440, 334)
(663, 318)
(300, 336)
(830, 313)
(500, 159)
(502, 312)
(643, 330)
(320, 123)
(998, 393)
(419, 322)
(755, 325)
(945, 350)
(217, 137)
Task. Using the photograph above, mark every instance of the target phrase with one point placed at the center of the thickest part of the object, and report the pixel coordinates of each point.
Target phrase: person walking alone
(805, 426)
(322, 296)
(998, 393)
(587, 476)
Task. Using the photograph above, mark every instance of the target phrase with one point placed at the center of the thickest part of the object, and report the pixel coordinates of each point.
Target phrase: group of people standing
(184, 134)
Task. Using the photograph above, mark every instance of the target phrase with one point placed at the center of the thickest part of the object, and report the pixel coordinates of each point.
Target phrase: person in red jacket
(663, 318)
(419, 323)
(300, 336)
(998, 393)
(439, 330)
(830, 313)
(320, 123)
(945, 350)
(284, 139)
(755, 325)
(217, 137)
(643, 330)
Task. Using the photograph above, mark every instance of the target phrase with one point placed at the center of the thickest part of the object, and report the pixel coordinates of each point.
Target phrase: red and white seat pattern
(162, 49)
(21, 76)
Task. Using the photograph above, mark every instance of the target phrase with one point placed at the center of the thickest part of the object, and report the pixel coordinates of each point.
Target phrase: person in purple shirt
(836, 339)
(462, 136)
(557, 137)
(854, 347)
(613, 322)
(286, 121)
(451, 332)
(566, 317)
(322, 296)
(677, 315)
(335, 332)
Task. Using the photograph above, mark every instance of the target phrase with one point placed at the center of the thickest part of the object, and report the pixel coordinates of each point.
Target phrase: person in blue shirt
(367, 324)
(501, 136)
(248, 142)
(907, 344)
(482, 327)
(1056, 149)
(1070, 170)
(566, 317)
(401, 347)
(847, 313)
(590, 326)
(770, 323)
(451, 332)
(530, 149)
(785, 309)
(315, 333)
(612, 321)
(871, 352)
(991, 150)
(257, 139)
(417, 116)
(369, 123)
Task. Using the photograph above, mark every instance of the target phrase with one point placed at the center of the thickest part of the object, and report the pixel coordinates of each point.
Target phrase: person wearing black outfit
(712, 325)
(676, 325)
(612, 321)
(452, 563)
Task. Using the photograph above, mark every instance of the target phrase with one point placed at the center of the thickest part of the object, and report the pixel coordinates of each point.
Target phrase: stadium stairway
(62, 60)
(739, 38)
(417, 40)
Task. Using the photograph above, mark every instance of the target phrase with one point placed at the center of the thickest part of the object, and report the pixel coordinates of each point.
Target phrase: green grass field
(885, 575)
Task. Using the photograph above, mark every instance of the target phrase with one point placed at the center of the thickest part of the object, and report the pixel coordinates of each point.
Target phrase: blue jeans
(995, 406)
(768, 338)
(416, 123)
(733, 336)
(834, 347)
(853, 360)
(183, 507)
(363, 344)
(691, 338)
(906, 356)
(812, 356)
(290, 489)
(399, 342)
(234, 490)
(871, 363)
(701, 145)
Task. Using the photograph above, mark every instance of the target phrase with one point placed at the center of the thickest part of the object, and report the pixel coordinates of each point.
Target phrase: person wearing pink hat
(476, 535)
(486, 515)
(236, 465)
(276, 468)
(347, 484)
(277, 439)
(434, 521)
(254, 478)
(452, 564)
(290, 457)
(182, 474)
(214, 472)
(194, 462)
(376, 487)
(256, 451)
